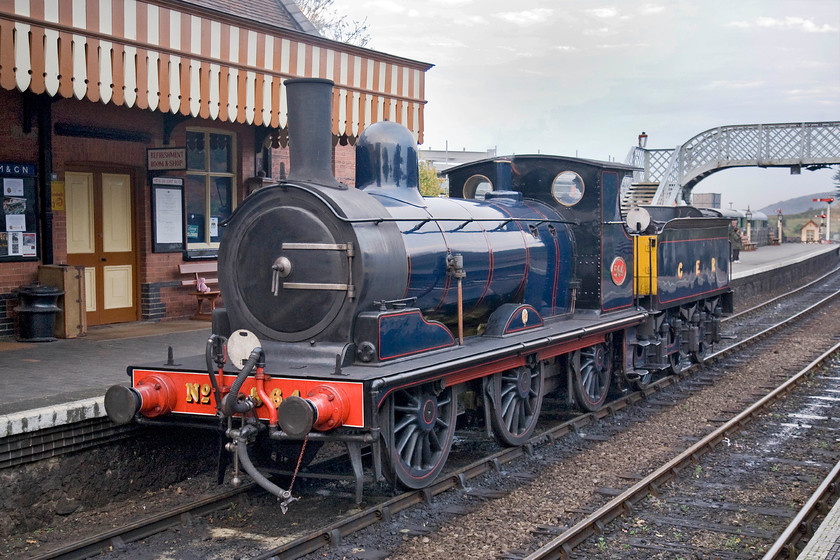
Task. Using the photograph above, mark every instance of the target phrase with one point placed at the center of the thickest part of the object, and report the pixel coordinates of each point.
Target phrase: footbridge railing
(811, 145)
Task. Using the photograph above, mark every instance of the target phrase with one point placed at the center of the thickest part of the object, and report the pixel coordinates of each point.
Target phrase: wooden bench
(202, 270)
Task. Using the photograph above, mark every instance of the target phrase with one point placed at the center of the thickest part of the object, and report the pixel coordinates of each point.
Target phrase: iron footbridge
(668, 176)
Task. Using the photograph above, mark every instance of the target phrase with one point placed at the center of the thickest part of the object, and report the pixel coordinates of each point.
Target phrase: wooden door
(100, 238)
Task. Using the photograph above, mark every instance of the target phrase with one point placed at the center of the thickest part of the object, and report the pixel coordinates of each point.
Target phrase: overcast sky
(586, 77)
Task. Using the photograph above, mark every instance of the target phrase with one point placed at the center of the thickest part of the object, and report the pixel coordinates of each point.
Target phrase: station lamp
(643, 140)
(780, 225)
(748, 215)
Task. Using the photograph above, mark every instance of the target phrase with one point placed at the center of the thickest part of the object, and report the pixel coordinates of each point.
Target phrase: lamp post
(643, 140)
(781, 239)
(748, 215)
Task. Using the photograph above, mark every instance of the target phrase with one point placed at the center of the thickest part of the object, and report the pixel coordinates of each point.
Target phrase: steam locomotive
(374, 317)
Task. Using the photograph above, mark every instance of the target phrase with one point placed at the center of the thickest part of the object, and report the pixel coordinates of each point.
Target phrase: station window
(477, 186)
(209, 186)
(567, 188)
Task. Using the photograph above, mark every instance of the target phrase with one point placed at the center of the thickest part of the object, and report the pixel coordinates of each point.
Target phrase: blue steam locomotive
(374, 317)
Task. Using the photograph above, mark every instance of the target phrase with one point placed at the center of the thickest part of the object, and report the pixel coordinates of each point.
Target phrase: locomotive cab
(585, 194)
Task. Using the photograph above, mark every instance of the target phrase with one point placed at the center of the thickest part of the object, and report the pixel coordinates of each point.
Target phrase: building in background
(442, 160)
(706, 200)
(132, 129)
(810, 232)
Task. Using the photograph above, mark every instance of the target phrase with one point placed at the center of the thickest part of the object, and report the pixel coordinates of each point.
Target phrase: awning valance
(151, 56)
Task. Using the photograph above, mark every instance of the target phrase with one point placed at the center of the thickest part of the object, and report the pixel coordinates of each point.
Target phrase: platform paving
(768, 258)
(825, 543)
(46, 384)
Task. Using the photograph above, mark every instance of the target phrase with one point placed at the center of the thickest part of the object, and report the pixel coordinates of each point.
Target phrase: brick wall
(15, 146)
(7, 323)
(343, 162)
(71, 153)
(158, 280)
(279, 163)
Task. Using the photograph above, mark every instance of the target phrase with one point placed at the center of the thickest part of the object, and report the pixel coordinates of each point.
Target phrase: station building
(130, 130)
(810, 232)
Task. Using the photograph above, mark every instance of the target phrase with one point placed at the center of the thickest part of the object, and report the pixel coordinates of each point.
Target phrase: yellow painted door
(100, 238)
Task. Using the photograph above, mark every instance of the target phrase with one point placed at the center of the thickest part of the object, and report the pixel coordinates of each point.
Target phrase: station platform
(772, 257)
(50, 384)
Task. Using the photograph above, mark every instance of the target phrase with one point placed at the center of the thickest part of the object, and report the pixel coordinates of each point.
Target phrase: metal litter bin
(36, 312)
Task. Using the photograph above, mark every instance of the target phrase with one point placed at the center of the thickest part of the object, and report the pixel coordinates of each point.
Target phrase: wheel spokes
(517, 403)
(410, 436)
(423, 427)
(511, 413)
(591, 373)
(590, 368)
(591, 380)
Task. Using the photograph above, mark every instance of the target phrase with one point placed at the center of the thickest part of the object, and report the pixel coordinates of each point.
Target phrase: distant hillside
(799, 204)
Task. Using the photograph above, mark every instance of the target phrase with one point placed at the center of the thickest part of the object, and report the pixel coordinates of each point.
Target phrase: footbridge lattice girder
(677, 171)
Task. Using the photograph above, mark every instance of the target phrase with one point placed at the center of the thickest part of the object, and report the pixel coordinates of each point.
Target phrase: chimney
(309, 103)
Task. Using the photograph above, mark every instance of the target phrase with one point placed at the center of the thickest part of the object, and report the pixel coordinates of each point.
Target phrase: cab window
(567, 188)
(477, 186)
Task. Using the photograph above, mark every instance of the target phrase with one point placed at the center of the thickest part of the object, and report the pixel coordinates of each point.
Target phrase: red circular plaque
(618, 271)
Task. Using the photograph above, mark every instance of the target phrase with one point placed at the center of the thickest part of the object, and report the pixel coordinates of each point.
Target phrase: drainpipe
(44, 110)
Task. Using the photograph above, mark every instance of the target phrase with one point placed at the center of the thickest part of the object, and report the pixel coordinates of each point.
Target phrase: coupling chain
(284, 506)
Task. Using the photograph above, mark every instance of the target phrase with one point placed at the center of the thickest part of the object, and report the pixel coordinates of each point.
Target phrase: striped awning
(151, 56)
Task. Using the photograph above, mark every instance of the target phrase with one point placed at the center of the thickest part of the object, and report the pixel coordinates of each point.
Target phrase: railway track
(822, 284)
(787, 545)
(339, 531)
(120, 537)
(691, 510)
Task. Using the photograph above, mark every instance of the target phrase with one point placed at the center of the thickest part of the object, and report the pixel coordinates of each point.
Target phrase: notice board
(19, 213)
(168, 215)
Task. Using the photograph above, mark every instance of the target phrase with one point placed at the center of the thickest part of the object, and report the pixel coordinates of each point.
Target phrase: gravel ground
(736, 501)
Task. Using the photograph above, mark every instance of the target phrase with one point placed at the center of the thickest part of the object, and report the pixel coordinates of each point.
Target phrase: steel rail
(118, 537)
(799, 527)
(561, 546)
(781, 296)
(335, 532)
